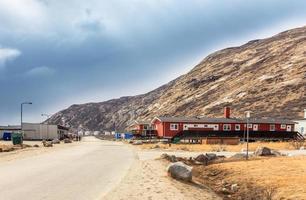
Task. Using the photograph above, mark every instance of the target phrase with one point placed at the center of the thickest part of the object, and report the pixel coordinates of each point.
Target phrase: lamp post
(47, 116)
(248, 115)
(21, 112)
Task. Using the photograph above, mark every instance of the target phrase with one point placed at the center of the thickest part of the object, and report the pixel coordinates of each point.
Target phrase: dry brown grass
(283, 176)
(4, 146)
(232, 148)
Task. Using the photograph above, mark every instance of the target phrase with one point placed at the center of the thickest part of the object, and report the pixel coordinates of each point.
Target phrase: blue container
(118, 135)
(128, 136)
(7, 136)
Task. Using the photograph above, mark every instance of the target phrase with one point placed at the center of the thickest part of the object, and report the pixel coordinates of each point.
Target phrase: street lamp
(47, 116)
(248, 115)
(21, 110)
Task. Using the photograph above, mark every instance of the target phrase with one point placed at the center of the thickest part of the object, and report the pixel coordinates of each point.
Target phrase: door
(289, 129)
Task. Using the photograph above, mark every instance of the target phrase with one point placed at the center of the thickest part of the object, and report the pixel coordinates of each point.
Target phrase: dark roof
(271, 121)
(224, 120)
(198, 120)
(10, 127)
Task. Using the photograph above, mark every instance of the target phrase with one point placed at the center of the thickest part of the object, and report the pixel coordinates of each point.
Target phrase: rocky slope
(266, 76)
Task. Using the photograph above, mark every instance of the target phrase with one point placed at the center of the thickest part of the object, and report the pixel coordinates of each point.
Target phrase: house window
(145, 127)
(283, 126)
(237, 127)
(226, 127)
(250, 125)
(272, 127)
(173, 127)
(195, 126)
(255, 127)
(289, 129)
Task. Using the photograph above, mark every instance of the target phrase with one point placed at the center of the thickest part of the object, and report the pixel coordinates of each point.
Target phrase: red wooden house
(170, 127)
(142, 129)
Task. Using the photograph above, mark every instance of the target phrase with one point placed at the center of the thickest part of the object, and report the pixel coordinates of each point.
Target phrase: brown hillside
(266, 76)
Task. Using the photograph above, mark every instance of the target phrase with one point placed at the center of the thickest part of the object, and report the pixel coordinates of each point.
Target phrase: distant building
(301, 124)
(7, 130)
(142, 129)
(37, 131)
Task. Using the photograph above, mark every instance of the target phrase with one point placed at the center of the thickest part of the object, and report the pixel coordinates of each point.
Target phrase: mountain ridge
(267, 76)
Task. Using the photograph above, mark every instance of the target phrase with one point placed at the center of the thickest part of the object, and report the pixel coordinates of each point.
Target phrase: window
(195, 126)
(289, 129)
(255, 127)
(283, 126)
(226, 127)
(173, 127)
(250, 125)
(272, 127)
(237, 127)
(145, 127)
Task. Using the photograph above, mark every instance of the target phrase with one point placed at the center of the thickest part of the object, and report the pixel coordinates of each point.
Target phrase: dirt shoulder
(279, 177)
(19, 153)
(148, 179)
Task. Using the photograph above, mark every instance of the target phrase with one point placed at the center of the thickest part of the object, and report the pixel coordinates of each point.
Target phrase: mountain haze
(266, 76)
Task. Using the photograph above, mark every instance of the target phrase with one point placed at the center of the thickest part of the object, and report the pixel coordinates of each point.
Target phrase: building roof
(223, 120)
(271, 121)
(198, 120)
(10, 127)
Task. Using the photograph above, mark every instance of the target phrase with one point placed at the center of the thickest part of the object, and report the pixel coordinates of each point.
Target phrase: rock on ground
(179, 170)
(263, 151)
(66, 140)
(56, 141)
(202, 159)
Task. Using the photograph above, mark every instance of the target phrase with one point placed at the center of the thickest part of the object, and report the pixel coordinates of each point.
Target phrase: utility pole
(248, 115)
(47, 116)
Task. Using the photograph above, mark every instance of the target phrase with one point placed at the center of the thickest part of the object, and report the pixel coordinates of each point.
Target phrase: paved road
(83, 172)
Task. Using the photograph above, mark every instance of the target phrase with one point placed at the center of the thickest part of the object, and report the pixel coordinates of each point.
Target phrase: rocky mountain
(266, 76)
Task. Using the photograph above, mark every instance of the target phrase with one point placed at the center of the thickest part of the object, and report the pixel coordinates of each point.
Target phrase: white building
(37, 131)
(301, 125)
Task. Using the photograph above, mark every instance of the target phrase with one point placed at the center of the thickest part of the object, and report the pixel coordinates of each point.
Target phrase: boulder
(171, 158)
(180, 171)
(67, 140)
(138, 142)
(211, 156)
(202, 159)
(262, 151)
(239, 156)
(56, 141)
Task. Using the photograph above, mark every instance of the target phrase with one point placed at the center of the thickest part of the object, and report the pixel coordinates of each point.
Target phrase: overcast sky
(57, 53)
